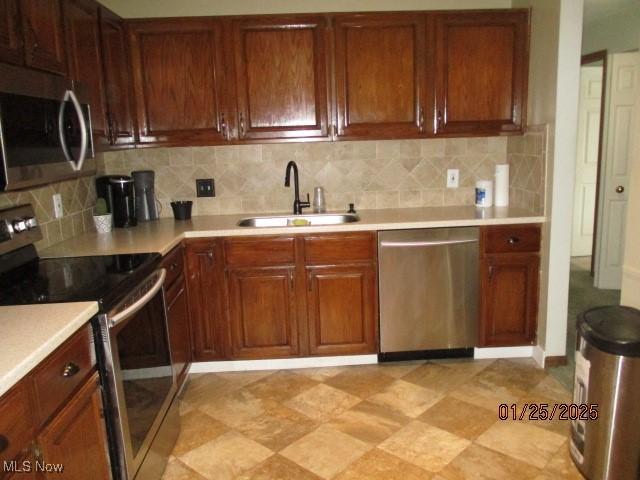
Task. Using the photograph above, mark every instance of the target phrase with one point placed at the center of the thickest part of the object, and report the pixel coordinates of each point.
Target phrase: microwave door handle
(84, 141)
(138, 304)
(63, 143)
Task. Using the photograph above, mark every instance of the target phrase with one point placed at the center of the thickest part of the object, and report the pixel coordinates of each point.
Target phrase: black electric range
(105, 279)
(130, 335)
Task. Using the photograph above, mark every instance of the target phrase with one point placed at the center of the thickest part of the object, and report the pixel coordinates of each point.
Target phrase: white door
(584, 200)
(623, 88)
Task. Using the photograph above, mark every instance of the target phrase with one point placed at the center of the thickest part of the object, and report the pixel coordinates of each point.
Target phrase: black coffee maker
(119, 193)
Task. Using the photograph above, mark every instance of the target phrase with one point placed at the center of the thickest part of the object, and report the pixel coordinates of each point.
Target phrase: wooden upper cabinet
(44, 45)
(281, 77)
(84, 59)
(10, 34)
(178, 79)
(382, 75)
(118, 82)
(482, 65)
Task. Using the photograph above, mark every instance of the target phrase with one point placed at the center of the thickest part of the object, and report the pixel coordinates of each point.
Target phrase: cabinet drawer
(259, 251)
(173, 262)
(339, 248)
(512, 238)
(15, 422)
(63, 371)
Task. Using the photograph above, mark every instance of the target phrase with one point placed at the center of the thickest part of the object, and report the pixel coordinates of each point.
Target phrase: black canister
(124, 203)
(182, 209)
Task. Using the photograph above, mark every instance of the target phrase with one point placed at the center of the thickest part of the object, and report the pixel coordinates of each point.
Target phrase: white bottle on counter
(319, 202)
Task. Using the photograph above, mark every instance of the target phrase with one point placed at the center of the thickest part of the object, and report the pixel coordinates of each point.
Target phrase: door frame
(599, 56)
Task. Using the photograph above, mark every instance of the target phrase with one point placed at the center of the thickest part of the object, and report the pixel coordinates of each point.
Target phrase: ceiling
(595, 9)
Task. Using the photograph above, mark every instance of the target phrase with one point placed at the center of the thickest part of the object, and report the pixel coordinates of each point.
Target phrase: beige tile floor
(434, 420)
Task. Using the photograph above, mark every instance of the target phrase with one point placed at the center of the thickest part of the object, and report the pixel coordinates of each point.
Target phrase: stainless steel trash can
(608, 377)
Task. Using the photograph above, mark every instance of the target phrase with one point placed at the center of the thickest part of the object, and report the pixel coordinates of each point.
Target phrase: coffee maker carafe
(118, 191)
(146, 207)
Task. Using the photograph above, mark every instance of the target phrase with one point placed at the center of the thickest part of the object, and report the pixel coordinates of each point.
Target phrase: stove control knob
(31, 222)
(19, 225)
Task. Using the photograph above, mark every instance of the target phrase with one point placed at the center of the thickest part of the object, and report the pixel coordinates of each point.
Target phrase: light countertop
(31, 332)
(162, 235)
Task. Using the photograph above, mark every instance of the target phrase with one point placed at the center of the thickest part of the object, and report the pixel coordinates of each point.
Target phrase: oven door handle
(138, 304)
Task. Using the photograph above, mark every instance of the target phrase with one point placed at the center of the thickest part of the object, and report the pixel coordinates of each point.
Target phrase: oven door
(139, 373)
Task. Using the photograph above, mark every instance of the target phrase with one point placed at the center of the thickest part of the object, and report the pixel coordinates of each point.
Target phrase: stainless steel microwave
(45, 129)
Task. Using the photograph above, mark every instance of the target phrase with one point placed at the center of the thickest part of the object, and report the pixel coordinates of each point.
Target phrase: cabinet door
(509, 299)
(76, 438)
(205, 287)
(118, 83)
(262, 312)
(84, 59)
(179, 333)
(10, 34)
(178, 78)
(281, 77)
(381, 75)
(342, 304)
(44, 46)
(482, 62)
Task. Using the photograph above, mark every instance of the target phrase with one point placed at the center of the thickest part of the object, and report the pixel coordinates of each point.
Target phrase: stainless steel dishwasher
(428, 292)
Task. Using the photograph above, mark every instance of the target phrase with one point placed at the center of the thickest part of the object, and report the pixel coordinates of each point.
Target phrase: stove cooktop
(104, 279)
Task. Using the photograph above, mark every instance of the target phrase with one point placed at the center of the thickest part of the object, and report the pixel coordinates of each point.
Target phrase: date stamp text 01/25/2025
(546, 411)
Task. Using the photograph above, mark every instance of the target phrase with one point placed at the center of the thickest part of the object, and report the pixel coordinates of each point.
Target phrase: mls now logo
(29, 466)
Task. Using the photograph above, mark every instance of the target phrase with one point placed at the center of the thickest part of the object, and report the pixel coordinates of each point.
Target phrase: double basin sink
(299, 220)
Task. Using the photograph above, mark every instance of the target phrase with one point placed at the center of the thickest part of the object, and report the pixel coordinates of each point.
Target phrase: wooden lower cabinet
(76, 437)
(262, 312)
(52, 420)
(205, 286)
(509, 284)
(179, 329)
(342, 309)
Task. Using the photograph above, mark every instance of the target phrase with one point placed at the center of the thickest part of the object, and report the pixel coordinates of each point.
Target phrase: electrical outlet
(453, 178)
(58, 212)
(205, 187)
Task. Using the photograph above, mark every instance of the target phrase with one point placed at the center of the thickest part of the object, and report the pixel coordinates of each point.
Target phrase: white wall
(554, 80)
(178, 8)
(619, 32)
(631, 268)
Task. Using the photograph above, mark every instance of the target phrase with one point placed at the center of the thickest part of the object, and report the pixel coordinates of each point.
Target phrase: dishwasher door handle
(426, 243)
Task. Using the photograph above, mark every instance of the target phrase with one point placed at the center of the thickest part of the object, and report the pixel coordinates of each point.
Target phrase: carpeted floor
(582, 296)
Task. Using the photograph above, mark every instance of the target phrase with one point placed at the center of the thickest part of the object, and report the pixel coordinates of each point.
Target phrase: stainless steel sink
(299, 220)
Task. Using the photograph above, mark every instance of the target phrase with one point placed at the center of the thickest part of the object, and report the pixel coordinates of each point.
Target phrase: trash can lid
(614, 330)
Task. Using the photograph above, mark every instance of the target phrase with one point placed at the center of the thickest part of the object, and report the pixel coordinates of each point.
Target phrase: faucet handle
(307, 203)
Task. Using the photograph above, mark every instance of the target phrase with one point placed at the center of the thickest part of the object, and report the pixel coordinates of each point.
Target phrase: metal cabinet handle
(490, 272)
(241, 125)
(439, 119)
(513, 240)
(619, 189)
(224, 128)
(421, 119)
(4, 443)
(70, 369)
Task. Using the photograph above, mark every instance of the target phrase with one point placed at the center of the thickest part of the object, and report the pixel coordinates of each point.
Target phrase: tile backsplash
(526, 156)
(371, 174)
(78, 199)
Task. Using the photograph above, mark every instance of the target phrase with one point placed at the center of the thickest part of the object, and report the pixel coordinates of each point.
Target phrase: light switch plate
(453, 178)
(58, 212)
(205, 187)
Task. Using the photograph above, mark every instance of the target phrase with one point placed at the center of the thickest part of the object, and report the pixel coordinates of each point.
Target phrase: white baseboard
(538, 355)
(503, 352)
(282, 363)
